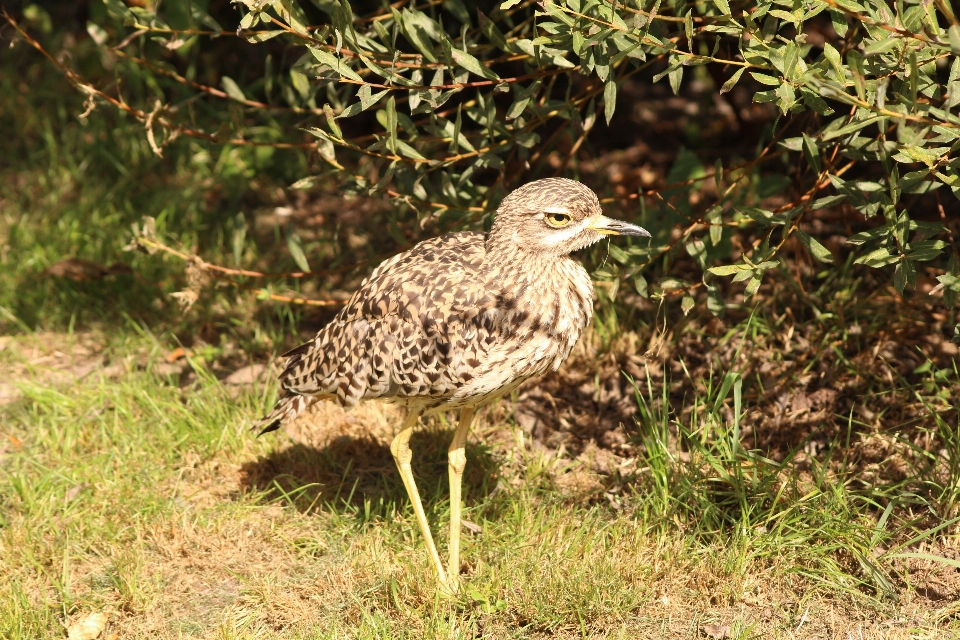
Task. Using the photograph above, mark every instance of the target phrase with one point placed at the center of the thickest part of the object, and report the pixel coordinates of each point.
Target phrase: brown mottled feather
(457, 320)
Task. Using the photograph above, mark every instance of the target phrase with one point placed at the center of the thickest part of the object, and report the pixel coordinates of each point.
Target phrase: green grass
(153, 502)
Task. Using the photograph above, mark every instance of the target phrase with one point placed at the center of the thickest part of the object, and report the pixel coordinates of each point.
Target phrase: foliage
(443, 107)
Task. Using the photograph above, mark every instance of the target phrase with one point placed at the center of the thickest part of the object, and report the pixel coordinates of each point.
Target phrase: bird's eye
(557, 219)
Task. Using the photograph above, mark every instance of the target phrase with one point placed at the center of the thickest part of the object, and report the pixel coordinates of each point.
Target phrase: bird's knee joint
(457, 459)
(401, 451)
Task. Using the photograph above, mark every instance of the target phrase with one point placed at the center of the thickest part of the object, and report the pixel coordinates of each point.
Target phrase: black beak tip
(621, 228)
(632, 230)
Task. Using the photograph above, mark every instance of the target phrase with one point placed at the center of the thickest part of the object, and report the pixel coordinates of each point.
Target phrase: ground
(133, 487)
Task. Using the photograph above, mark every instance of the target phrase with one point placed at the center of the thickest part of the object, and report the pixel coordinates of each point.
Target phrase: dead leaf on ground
(87, 627)
(178, 353)
(74, 491)
(717, 631)
(246, 375)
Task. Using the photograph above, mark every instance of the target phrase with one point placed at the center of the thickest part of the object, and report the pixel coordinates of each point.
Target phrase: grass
(738, 499)
(151, 501)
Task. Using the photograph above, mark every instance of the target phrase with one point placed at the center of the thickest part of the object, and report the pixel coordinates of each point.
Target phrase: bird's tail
(288, 407)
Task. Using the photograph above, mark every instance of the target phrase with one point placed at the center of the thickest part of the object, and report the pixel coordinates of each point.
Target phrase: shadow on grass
(357, 475)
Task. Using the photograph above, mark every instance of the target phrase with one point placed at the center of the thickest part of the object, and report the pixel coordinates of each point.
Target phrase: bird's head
(554, 216)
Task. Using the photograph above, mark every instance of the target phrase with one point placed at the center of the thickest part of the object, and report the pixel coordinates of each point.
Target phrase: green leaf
(910, 154)
(509, 4)
(787, 97)
(618, 254)
(729, 269)
(672, 284)
(640, 284)
(118, 9)
(811, 153)
(524, 96)
(609, 100)
(954, 36)
(263, 36)
(493, 34)
(732, 82)
(833, 57)
(850, 128)
(815, 102)
(676, 77)
(471, 64)
(416, 32)
(686, 304)
(905, 274)
(816, 249)
(335, 63)
(752, 287)
(877, 258)
(839, 20)
(770, 81)
(232, 89)
(578, 40)
(459, 10)
(332, 121)
(291, 13)
(715, 301)
(953, 85)
(296, 250)
(866, 236)
(881, 46)
(300, 83)
(723, 5)
(391, 127)
(408, 152)
(926, 250)
(828, 201)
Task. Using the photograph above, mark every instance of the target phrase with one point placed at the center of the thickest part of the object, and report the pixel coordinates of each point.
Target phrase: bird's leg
(457, 460)
(400, 448)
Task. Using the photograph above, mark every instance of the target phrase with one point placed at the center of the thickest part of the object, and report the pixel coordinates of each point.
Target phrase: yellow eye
(557, 219)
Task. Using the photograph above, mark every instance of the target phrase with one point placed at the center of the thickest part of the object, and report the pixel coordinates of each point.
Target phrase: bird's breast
(538, 315)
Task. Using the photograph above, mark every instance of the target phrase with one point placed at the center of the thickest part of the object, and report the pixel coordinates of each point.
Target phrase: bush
(443, 107)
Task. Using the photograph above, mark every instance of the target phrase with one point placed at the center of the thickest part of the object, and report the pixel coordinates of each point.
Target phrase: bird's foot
(448, 588)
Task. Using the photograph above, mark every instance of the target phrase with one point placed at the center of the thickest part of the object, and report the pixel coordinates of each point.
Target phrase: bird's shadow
(356, 475)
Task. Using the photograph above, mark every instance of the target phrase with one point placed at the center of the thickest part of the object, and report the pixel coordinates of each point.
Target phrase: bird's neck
(531, 274)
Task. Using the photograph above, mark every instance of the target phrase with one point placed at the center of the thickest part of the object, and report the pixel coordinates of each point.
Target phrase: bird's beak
(611, 227)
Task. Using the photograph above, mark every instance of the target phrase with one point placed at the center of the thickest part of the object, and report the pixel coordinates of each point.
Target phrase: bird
(454, 323)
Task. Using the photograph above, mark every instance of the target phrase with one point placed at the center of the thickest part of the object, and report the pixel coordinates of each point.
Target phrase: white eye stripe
(560, 210)
(562, 236)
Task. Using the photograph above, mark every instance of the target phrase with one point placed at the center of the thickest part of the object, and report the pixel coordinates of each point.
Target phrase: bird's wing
(397, 335)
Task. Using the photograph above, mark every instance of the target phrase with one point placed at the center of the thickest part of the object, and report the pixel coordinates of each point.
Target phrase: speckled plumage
(456, 321)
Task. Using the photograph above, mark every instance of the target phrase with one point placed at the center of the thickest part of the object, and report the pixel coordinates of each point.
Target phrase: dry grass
(140, 493)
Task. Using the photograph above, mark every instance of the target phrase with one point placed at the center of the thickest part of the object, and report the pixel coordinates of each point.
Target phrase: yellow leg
(457, 460)
(400, 448)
